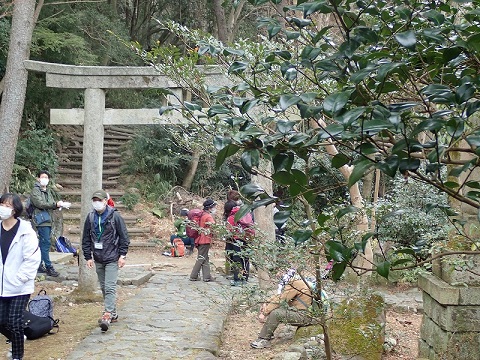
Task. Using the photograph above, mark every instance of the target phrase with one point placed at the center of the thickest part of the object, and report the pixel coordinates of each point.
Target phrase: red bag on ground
(178, 248)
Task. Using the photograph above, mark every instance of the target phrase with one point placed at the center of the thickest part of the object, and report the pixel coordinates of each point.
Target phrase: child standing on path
(203, 242)
(105, 237)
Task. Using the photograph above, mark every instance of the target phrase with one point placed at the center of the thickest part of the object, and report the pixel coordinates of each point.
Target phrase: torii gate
(94, 80)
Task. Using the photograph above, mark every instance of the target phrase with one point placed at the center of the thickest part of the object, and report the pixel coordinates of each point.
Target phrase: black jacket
(114, 238)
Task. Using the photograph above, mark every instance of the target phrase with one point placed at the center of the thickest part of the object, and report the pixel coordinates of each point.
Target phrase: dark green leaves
(226, 152)
(407, 39)
(335, 103)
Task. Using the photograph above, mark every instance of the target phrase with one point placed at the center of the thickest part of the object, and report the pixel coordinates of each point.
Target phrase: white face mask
(213, 211)
(44, 181)
(98, 205)
(5, 212)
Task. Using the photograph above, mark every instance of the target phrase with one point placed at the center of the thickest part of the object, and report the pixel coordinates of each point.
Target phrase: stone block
(358, 327)
(439, 290)
(136, 280)
(453, 269)
(452, 318)
(449, 345)
(425, 350)
(469, 296)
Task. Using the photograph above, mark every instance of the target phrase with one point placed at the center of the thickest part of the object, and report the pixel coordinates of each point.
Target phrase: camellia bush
(390, 87)
(374, 86)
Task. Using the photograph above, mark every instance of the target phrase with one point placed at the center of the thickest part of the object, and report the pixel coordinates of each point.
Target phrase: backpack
(246, 226)
(193, 223)
(35, 326)
(63, 245)
(42, 305)
(112, 221)
(178, 248)
(29, 208)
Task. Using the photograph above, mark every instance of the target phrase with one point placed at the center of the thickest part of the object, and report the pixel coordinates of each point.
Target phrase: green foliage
(4, 37)
(154, 151)
(152, 188)
(35, 151)
(130, 199)
(405, 218)
(162, 154)
(393, 86)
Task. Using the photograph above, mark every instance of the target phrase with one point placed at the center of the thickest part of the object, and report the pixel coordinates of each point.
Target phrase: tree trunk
(363, 260)
(221, 21)
(15, 85)
(264, 215)
(188, 181)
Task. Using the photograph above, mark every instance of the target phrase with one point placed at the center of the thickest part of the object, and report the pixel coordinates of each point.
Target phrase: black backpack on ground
(38, 315)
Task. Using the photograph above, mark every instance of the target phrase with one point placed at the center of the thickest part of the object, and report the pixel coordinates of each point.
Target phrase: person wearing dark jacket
(44, 202)
(20, 256)
(105, 242)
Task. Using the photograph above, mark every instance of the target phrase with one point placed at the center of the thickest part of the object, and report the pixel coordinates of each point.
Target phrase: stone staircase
(70, 178)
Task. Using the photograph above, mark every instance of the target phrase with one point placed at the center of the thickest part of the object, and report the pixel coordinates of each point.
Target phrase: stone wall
(451, 322)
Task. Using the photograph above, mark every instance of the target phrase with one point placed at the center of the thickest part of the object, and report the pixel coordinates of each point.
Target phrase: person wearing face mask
(203, 242)
(20, 256)
(43, 199)
(105, 243)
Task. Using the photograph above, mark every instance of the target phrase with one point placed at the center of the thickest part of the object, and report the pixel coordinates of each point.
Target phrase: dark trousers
(240, 261)
(11, 322)
(284, 315)
(202, 263)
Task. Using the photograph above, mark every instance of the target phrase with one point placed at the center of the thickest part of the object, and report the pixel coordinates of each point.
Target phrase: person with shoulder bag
(105, 243)
(20, 257)
(203, 242)
(44, 202)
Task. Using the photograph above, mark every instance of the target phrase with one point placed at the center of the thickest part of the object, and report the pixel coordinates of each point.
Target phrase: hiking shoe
(105, 323)
(114, 318)
(41, 269)
(52, 272)
(260, 343)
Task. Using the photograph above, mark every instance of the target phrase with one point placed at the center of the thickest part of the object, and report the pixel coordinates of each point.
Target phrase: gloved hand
(64, 204)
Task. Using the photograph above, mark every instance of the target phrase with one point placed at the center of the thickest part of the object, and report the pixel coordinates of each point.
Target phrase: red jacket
(205, 236)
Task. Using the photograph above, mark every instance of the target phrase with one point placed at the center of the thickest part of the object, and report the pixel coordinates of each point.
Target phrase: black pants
(240, 260)
(11, 322)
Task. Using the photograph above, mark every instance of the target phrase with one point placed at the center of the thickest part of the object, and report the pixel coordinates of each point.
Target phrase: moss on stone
(306, 332)
(358, 327)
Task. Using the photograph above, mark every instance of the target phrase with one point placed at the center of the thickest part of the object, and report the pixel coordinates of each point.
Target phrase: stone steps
(67, 171)
(78, 164)
(78, 182)
(70, 178)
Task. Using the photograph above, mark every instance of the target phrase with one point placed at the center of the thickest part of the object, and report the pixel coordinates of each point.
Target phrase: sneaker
(209, 279)
(105, 323)
(193, 279)
(114, 318)
(260, 343)
(41, 269)
(52, 272)
(236, 283)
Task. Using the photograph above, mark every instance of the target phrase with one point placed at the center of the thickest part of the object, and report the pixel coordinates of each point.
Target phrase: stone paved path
(174, 318)
(169, 318)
